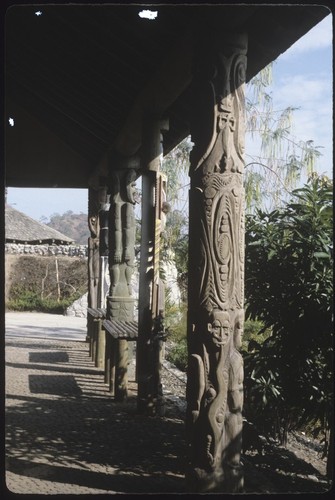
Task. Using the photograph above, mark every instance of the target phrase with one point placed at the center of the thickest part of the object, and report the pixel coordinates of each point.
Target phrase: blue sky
(302, 77)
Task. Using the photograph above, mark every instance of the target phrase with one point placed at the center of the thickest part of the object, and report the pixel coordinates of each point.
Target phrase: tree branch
(271, 170)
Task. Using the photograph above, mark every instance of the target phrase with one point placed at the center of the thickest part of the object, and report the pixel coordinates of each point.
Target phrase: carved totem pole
(104, 279)
(93, 246)
(121, 243)
(216, 264)
(151, 329)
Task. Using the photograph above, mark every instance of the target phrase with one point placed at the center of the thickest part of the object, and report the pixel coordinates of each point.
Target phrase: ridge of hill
(71, 224)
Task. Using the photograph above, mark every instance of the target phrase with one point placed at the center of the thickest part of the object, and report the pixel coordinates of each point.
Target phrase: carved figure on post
(209, 369)
(104, 280)
(233, 418)
(122, 232)
(121, 239)
(93, 248)
(216, 262)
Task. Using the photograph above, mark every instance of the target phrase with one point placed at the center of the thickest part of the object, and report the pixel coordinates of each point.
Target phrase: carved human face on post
(219, 328)
(131, 187)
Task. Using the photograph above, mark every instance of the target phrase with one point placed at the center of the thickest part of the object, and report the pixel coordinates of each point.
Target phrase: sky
(302, 77)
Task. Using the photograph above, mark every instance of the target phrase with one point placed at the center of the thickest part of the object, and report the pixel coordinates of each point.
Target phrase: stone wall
(67, 250)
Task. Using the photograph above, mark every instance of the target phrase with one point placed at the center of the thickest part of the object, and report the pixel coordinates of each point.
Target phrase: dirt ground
(65, 434)
(298, 468)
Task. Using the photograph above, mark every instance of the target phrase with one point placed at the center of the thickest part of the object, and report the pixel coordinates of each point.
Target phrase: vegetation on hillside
(46, 284)
(70, 224)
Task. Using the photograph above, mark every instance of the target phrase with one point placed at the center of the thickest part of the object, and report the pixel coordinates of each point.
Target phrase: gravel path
(66, 435)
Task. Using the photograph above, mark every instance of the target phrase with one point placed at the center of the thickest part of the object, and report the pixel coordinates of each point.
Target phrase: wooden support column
(150, 396)
(216, 266)
(104, 281)
(96, 245)
(93, 257)
(120, 302)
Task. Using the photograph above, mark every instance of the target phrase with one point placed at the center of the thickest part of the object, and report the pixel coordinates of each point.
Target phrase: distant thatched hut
(36, 254)
(19, 228)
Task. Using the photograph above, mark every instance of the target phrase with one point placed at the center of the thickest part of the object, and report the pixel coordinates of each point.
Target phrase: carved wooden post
(93, 246)
(103, 274)
(120, 303)
(216, 267)
(93, 260)
(104, 280)
(150, 397)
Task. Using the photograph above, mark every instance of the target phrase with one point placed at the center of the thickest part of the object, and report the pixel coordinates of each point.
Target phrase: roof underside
(80, 78)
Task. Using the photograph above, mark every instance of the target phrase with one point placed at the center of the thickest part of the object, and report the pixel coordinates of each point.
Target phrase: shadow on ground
(60, 433)
(67, 428)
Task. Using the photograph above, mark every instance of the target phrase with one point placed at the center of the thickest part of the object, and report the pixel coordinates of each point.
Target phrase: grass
(27, 300)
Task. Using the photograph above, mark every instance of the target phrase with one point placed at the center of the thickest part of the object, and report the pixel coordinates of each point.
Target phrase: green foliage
(28, 300)
(175, 245)
(38, 285)
(176, 320)
(254, 335)
(175, 166)
(178, 355)
(289, 262)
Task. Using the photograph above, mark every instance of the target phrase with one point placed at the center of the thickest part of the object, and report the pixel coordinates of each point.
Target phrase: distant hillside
(73, 225)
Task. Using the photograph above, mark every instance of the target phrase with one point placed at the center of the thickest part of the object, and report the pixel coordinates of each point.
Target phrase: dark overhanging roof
(80, 78)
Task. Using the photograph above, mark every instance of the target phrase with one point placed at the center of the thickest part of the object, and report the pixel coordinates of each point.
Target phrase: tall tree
(175, 238)
(279, 158)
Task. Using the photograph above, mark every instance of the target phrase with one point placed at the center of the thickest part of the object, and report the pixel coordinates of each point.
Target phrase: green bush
(254, 334)
(178, 355)
(176, 321)
(289, 287)
(23, 299)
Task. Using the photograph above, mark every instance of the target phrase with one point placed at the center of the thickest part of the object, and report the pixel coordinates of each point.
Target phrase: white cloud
(299, 90)
(318, 37)
(306, 83)
(313, 121)
(311, 92)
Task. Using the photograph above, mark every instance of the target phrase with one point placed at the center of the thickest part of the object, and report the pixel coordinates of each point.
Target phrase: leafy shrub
(28, 300)
(178, 355)
(46, 283)
(176, 321)
(289, 287)
(254, 334)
